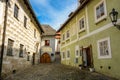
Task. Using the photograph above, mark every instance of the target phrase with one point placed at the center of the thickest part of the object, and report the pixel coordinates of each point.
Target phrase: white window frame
(109, 48)
(105, 11)
(67, 54)
(67, 33)
(80, 30)
(77, 49)
(62, 37)
(64, 56)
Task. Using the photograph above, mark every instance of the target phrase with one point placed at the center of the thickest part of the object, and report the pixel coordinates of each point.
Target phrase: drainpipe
(3, 39)
(40, 47)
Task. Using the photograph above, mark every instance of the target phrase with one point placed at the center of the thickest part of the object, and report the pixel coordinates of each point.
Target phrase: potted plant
(80, 66)
(92, 69)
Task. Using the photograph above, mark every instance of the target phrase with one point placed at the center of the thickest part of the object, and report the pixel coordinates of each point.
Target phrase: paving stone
(56, 71)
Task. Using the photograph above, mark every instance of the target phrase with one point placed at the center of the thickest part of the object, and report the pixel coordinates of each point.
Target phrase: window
(76, 60)
(63, 37)
(21, 50)
(82, 24)
(28, 56)
(81, 51)
(104, 48)
(34, 33)
(100, 11)
(63, 55)
(25, 21)
(77, 53)
(16, 10)
(68, 54)
(47, 42)
(68, 34)
(10, 47)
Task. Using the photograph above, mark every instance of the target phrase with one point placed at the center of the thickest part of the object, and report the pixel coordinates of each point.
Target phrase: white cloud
(58, 17)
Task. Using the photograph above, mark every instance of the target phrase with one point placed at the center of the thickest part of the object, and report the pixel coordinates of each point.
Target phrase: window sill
(21, 57)
(10, 55)
(63, 59)
(100, 19)
(67, 58)
(81, 30)
(16, 18)
(63, 42)
(104, 57)
(76, 56)
(68, 39)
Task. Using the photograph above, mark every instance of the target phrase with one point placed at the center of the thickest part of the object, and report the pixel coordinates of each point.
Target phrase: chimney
(70, 14)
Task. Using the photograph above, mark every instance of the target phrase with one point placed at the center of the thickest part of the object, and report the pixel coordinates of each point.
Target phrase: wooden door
(45, 58)
(88, 56)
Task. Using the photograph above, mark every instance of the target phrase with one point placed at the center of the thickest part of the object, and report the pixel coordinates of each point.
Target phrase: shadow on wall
(15, 59)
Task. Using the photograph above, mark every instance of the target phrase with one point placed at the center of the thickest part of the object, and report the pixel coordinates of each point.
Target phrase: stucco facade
(86, 39)
(28, 36)
(48, 35)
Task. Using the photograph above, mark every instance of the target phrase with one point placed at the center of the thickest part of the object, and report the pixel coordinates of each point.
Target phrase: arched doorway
(45, 58)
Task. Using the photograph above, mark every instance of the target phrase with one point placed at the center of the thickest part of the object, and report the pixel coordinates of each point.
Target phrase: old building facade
(22, 36)
(47, 54)
(89, 39)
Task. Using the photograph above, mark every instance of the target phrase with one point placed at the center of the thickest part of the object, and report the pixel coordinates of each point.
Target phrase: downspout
(40, 47)
(3, 39)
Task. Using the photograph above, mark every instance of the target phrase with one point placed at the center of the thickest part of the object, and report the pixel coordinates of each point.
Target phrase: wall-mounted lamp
(114, 16)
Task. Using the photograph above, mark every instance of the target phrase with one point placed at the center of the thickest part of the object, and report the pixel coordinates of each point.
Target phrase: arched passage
(45, 58)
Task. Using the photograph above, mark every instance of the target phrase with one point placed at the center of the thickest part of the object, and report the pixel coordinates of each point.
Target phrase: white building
(22, 36)
(48, 44)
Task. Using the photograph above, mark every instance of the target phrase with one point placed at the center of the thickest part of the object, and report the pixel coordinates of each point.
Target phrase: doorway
(33, 57)
(45, 58)
(87, 57)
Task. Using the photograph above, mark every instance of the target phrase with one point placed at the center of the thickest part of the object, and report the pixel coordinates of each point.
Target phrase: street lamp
(114, 16)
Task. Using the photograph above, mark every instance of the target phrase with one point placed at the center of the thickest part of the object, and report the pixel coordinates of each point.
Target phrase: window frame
(25, 21)
(63, 37)
(109, 48)
(47, 42)
(77, 51)
(63, 57)
(79, 23)
(9, 46)
(16, 11)
(67, 34)
(105, 11)
(68, 57)
(21, 51)
(34, 33)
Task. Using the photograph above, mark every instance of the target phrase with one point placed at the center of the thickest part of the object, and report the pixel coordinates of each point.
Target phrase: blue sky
(53, 12)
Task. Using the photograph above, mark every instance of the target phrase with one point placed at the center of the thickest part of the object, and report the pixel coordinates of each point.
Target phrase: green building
(89, 39)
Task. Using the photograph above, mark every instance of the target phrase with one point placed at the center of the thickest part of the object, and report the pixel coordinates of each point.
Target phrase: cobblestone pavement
(55, 71)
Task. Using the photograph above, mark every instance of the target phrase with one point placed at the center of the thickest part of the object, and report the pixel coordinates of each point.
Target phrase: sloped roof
(48, 30)
(84, 2)
(33, 14)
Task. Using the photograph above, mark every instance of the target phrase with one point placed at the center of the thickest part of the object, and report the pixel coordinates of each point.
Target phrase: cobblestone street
(55, 71)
